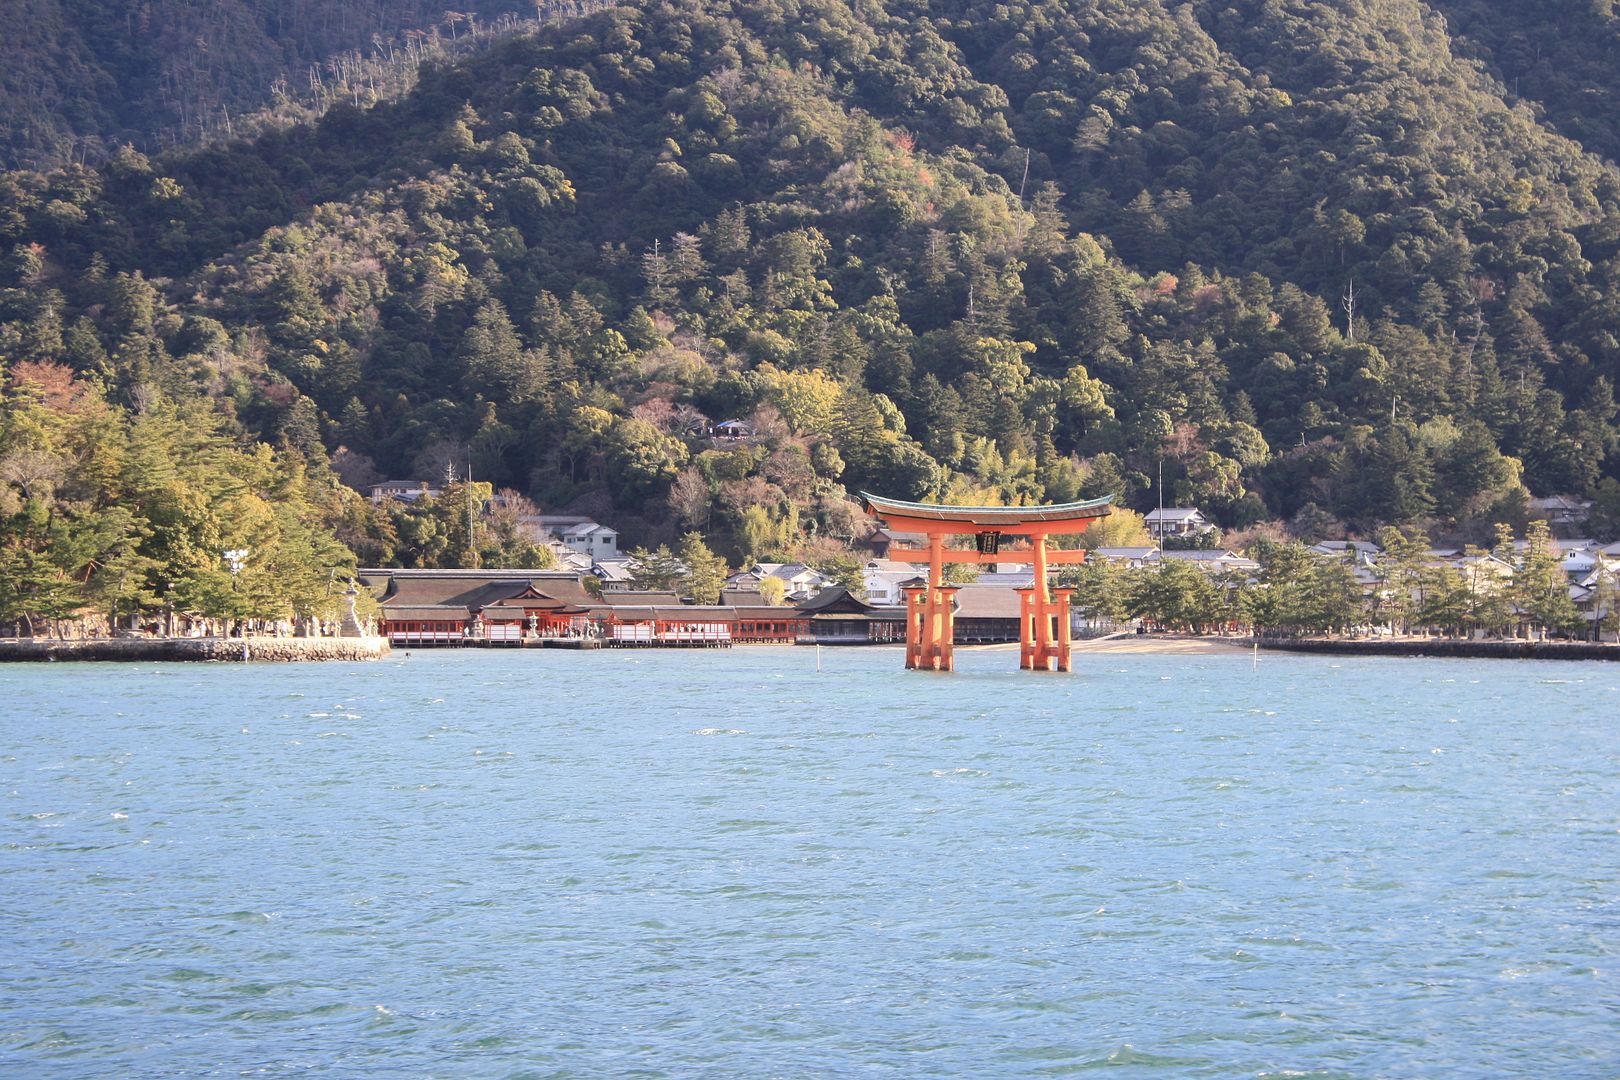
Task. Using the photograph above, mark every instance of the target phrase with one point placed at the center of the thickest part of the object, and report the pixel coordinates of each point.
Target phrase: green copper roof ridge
(1089, 504)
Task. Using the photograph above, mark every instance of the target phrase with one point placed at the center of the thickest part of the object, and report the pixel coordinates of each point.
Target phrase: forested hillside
(1560, 54)
(1312, 261)
(81, 77)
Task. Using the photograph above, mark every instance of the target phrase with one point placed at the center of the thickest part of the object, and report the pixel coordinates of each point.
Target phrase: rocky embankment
(260, 649)
(1446, 647)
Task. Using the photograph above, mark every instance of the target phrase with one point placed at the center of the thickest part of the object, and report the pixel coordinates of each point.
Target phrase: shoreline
(193, 650)
(295, 650)
(1433, 648)
(1447, 648)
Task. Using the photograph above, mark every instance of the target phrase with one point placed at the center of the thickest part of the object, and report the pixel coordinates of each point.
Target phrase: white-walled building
(576, 533)
(1177, 521)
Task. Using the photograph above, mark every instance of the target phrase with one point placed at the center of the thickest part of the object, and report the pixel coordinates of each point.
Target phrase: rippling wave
(479, 864)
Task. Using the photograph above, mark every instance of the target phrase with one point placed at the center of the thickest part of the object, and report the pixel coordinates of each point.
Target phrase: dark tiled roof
(473, 589)
(986, 602)
(834, 598)
(637, 599)
(426, 613)
(766, 613)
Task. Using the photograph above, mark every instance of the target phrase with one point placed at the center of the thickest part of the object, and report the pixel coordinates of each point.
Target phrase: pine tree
(705, 571)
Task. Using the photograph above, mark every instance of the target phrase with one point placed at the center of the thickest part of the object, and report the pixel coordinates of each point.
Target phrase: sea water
(535, 864)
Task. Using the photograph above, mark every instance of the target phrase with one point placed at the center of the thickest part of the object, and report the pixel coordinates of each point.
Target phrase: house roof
(1125, 552)
(569, 559)
(837, 599)
(987, 602)
(587, 528)
(1211, 560)
(675, 613)
(891, 536)
(890, 566)
(1591, 579)
(557, 519)
(1334, 547)
(1174, 513)
(997, 580)
(614, 570)
(1560, 502)
(629, 598)
(788, 571)
(438, 592)
(427, 613)
(765, 612)
(470, 589)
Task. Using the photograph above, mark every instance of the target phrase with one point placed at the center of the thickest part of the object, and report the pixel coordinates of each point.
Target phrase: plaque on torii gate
(1043, 625)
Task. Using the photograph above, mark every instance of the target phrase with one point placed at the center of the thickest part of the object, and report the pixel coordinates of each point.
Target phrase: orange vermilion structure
(930, 609)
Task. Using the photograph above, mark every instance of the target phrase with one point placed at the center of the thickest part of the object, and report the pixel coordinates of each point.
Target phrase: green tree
(1100, 587)
(705, 571)
(656, 570)
(1540, 586)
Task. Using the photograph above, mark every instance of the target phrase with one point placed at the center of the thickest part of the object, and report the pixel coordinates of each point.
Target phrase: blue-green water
(472, 864)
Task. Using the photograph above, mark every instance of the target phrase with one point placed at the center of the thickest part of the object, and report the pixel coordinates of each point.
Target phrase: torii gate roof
(900, 514)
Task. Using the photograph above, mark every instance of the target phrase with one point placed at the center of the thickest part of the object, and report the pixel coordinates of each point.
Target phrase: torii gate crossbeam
(930, 609)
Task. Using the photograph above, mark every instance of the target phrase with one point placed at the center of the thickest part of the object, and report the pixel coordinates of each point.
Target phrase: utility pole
(472, 543)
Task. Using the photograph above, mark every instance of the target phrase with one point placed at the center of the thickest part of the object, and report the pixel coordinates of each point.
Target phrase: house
(569, 559)
(1597, 598)
(1179, 522)
(1134, 558)
(733, 430)
(1006, 579)
(455, 607)
(1363, 551)
(403, 490)
(1483, 573)
(1577, 557)
(834, 616)
(883, 578)
(589, 538)
(522, 607)
(1563, 512)
(1214, 561)
(986, 614)
(880, 541)
(1578, 562)
(574, 532)
(614, 573)
(800, 582)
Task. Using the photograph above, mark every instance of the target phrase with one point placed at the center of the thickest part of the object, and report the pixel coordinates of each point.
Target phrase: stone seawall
(1442, 647)
(265, 649)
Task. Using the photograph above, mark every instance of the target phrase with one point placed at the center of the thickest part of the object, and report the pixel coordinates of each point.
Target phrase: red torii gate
(930, 610)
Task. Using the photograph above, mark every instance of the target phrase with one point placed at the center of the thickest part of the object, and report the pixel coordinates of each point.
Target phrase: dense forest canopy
(83, 76)
(1313, 263)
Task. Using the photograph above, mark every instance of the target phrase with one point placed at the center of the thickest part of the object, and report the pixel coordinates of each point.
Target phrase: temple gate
(930, 609)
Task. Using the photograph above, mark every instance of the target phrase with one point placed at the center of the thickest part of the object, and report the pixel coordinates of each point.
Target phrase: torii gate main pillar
(1044, 636)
